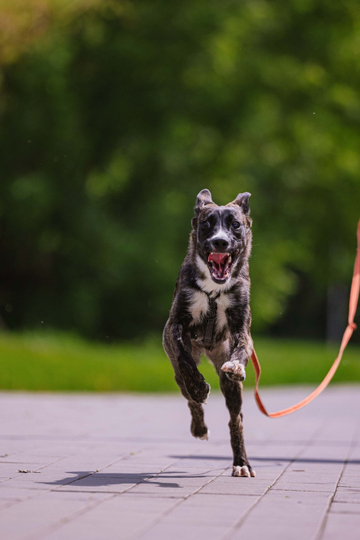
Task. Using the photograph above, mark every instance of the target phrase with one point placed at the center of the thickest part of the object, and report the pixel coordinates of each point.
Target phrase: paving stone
(295, 515)
(236, 486)
(205, 510)
(182, 531)
(32, 517)
(347, 494)
(118, 517)
(342, 526)
(345, 507)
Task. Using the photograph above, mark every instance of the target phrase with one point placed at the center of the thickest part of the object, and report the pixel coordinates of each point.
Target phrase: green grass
(55, 361)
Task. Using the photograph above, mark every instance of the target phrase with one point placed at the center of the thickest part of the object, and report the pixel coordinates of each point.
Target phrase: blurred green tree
(114, 115)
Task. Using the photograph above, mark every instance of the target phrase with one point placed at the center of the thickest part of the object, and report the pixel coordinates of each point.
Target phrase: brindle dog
(210, 314)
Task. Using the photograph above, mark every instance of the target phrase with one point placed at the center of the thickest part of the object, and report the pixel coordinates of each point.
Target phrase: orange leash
(353, 302)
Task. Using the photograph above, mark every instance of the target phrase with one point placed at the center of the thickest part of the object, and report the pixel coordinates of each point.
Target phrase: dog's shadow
(88, 479)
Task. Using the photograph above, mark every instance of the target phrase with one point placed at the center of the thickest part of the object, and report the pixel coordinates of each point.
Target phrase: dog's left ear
(243, 201)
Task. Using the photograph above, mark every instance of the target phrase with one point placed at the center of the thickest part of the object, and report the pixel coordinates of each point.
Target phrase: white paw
(242, 471)
(235, 368)
(206, 436)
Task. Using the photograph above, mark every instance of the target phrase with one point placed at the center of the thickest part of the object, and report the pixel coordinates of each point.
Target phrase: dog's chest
(200, 308)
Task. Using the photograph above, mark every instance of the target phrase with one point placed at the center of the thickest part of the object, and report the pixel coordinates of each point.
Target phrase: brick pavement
(126, 467)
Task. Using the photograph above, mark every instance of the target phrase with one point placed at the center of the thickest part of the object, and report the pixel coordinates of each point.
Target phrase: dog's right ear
(203, 198)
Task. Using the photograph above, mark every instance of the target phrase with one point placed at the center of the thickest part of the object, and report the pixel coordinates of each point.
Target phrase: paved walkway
(104, 467)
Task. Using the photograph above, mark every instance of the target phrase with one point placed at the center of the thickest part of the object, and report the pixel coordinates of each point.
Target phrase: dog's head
(223, 234)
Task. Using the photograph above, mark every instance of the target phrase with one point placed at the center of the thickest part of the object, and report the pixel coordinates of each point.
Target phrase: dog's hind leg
(232, 391)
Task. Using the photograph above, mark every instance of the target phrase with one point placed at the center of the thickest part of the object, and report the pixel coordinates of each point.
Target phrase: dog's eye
(206, 224)
(236, 225)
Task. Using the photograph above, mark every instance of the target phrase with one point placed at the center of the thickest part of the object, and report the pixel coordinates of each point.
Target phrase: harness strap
(210, 319)
(353, 302)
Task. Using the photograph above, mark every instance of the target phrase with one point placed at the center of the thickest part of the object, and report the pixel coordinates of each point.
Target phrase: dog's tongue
(217, 257)
(219, 265)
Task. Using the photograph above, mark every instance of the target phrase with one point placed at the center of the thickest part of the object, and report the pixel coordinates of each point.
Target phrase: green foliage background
(114, 114)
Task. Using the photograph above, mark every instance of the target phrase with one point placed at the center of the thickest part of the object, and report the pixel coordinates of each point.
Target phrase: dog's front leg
(178, 348)
(239, 357)
(185, 370)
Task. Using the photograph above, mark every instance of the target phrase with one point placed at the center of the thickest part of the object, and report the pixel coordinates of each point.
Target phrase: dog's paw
(204, 437)
(243, 471)
(199, 431)
(234, 370)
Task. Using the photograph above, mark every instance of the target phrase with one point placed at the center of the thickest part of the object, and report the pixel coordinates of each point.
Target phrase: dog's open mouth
(220, 265)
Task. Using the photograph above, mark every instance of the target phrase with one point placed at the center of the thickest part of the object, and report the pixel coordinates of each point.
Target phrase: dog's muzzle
(220, 265)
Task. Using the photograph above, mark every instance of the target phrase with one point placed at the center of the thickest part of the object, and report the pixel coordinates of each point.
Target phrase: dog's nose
(220, 243)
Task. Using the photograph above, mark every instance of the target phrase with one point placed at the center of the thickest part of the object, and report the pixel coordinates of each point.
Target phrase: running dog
(210, 314)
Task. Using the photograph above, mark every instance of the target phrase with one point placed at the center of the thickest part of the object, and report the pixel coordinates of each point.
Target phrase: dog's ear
(243, 201)
(203, 198)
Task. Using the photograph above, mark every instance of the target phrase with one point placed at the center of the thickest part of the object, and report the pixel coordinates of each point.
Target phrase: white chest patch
(223, 303)
(199, 306)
